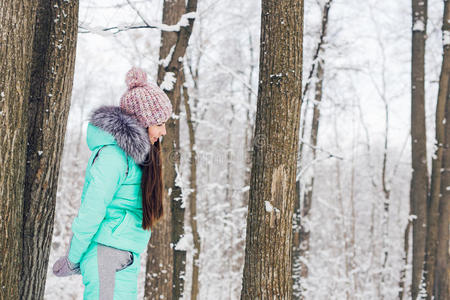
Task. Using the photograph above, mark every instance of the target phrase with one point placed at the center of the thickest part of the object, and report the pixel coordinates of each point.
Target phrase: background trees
(356, 248)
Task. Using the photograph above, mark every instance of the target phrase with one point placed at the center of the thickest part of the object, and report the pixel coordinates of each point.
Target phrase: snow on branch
(166, 61)
(184, 21)
(169, 80)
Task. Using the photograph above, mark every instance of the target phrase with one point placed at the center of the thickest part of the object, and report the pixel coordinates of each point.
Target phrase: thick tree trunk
(436, 194)
(17, 23)
(419, 181)
(268, 253)
(52, 74)
(36, 83)
(169, 263)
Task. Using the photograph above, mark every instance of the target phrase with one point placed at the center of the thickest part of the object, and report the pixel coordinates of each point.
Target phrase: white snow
(184, 21)
(168, 82)
(446, 37)
(182, 243)
(165, 62)
(269, 207)
(412, 217)
(418, 25)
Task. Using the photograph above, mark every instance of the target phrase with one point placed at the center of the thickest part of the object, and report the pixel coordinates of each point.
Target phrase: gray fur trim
(126, 130)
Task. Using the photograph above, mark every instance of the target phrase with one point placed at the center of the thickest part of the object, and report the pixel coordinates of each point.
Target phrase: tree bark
(301, 233)
(268, 253)
(52, 73)
(442, 273)
(193, 194)
(172, 260)
(401, 283)
(17, 23)
(36, 82)
(419, 181)
(437, 192)
(160, 258)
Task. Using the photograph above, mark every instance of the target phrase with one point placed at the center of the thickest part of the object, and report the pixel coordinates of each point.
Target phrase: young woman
(122, 193)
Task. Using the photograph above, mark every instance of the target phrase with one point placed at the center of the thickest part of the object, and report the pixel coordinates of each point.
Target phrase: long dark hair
(152, 187)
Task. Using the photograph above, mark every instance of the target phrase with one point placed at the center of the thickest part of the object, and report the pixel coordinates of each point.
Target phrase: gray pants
(110, 260)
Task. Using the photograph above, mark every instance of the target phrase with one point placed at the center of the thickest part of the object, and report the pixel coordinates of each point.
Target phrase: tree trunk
(342, 214)
(35, 111)
(160, 257)
(193, 194)
(301, 233)
(437, 192)
(169, 267)
(301, 244)
(17, 21)
(401, 284)
(52, 73)
(419, 181)
(267, 268)
(229, 253)
(441, 285)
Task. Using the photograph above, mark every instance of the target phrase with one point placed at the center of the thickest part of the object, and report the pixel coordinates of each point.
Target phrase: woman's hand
(64, 267)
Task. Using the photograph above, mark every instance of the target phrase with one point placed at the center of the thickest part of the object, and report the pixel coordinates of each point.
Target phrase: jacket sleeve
(107, 173)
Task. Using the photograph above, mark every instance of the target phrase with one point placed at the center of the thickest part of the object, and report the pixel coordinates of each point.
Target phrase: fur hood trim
(130, 136)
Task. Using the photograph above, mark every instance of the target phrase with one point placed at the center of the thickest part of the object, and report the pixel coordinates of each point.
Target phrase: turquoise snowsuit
(111, 202)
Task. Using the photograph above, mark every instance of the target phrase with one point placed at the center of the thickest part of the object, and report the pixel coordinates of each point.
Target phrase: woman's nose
(164, 130)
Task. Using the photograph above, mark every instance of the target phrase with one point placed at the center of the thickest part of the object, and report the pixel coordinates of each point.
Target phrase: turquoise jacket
(111, 202)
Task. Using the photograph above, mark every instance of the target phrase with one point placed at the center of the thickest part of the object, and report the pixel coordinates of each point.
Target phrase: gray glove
(64, 267)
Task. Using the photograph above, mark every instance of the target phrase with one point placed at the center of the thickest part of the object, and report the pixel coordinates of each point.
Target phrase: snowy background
(367, 73)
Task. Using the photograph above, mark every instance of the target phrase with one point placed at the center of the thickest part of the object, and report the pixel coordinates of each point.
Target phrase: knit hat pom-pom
(135, 77)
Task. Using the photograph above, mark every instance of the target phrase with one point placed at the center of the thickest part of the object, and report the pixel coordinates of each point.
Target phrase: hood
(111, 125)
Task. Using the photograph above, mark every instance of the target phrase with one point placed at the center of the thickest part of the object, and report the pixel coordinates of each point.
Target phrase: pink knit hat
(145, 100)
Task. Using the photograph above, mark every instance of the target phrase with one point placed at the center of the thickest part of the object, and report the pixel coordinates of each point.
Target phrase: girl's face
(155, 131)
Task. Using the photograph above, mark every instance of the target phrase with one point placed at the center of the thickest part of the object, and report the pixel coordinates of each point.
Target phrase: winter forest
(307, 156)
